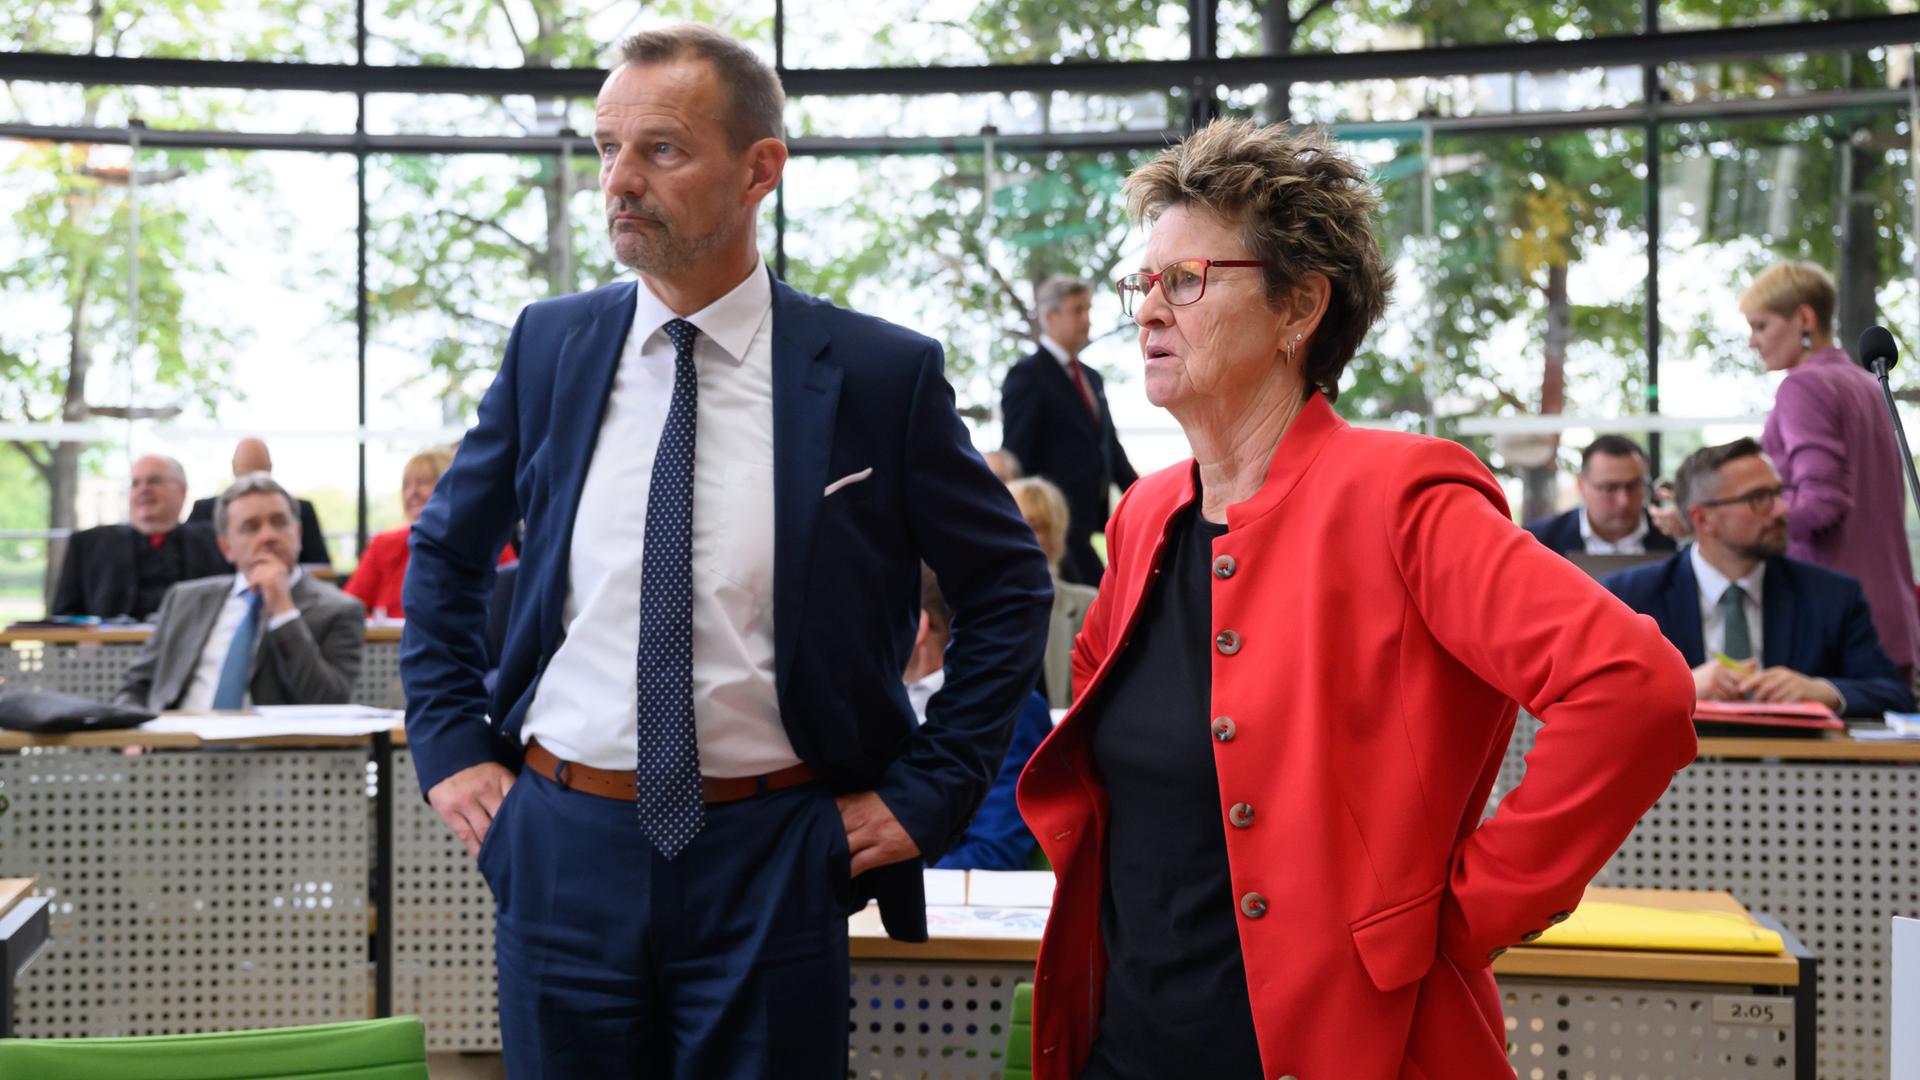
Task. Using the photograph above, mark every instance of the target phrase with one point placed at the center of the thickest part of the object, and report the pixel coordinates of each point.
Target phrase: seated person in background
(1798, 632)
(266, 635)
(250, 456)
(997, 838)
(1004, 465)
(122, 571)
(1046, 512)
(1612, 518)
(383, 566)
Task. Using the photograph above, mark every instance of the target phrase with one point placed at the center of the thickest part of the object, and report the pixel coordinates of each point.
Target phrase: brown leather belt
(623, 785)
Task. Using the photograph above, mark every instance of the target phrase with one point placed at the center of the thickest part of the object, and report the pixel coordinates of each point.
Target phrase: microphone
(1878, 351)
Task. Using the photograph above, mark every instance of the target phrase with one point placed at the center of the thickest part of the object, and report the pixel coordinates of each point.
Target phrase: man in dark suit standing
(1791, 630)
(701, 756)
(250, 456)
(1612, 516)
(266, 634)
(122, 571)
(1054, 409)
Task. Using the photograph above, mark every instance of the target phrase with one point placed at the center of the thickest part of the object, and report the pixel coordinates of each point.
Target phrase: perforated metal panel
(912, 1021)
(89, 670)
(442, 926)
(96, 670)
(192, 890)
(1832, 850)
(378, 684)
(1623, 1031)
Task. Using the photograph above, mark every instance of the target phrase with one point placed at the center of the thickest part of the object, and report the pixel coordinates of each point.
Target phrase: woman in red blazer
(383, 566)
(1298, 682)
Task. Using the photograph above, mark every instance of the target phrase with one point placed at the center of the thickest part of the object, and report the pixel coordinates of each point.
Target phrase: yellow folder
(1600, 925)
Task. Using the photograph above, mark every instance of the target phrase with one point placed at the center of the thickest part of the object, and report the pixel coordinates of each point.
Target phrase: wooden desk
(944, 999)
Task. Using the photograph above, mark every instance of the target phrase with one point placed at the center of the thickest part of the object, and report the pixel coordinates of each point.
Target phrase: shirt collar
(1586, 530)
(731, 321)
(1713, 583)
(240, 584)
(1053, 347)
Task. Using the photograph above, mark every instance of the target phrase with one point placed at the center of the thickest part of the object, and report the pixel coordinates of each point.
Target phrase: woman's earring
(1291, 346)
(1806, 341)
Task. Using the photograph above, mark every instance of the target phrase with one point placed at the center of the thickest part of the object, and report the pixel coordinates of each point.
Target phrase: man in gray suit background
(267, 634)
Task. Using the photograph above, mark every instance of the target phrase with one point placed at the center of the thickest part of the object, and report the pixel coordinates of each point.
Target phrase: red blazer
(1390, 615)
(383, 567)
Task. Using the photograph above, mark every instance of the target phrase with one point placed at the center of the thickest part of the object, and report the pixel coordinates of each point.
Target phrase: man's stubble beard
(666, 252)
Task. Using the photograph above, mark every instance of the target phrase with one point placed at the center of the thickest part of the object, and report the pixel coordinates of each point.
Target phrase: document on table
(986, 922)
(1010, 888)
(341, 720)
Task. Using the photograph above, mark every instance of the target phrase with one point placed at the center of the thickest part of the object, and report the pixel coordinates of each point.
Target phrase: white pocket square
(852, 478)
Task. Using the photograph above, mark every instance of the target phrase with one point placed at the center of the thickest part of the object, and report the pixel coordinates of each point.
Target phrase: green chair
(1019, 1062)
(390, 1049)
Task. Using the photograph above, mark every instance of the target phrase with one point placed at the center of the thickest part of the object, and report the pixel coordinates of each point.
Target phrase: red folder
(1765, 718)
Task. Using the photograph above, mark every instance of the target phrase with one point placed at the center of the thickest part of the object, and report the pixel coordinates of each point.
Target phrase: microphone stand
(1880, 365)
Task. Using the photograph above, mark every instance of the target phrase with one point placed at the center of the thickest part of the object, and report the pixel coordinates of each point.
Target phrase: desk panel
(1830, 845)
(191, 890)
(93, 664)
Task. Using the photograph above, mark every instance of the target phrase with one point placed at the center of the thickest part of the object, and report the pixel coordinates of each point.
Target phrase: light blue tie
(670, 804)
(237, 672)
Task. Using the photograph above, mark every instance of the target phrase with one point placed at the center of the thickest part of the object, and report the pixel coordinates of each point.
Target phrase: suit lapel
(584, 369)
(193, 634)
(1064, 386)
(806, 402)
(1779, 644)
(1683, 608)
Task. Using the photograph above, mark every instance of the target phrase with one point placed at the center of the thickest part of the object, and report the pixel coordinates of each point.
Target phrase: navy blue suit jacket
(1812, 620)
(1049, 428)
(850, 392)
(1561, 533)
(999, 839)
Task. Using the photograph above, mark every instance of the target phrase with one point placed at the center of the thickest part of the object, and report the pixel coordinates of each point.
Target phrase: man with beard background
(1791, 630)
(701, 757)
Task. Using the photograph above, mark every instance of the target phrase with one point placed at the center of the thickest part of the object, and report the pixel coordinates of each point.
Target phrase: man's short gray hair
(1060, 288)
(258, 483)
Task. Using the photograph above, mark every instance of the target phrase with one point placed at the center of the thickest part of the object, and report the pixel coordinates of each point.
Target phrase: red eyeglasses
(1182, 282)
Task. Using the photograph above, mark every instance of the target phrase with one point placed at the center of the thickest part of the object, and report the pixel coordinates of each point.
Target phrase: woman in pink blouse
(1831, 439)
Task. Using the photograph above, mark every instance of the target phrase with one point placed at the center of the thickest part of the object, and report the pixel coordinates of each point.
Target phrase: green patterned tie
(1733, 607)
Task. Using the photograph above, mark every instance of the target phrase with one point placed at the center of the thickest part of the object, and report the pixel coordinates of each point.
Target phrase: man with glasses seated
(1753, 623)
(1612, 518)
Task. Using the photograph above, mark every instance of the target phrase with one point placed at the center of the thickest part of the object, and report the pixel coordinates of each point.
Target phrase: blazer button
(1241, 815)
(1227, 641)
(1223, 567)
(1497, 953)
(1559, 917)
(1223, 729)
(1531, 936)
(1253, 905)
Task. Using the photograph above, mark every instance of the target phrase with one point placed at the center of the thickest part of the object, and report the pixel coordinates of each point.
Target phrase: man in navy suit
(1796, 631)
(701, 757)
(1057, 423)
(1612, 516)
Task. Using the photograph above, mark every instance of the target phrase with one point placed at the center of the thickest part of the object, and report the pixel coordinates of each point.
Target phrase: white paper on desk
(1022, 924)
(945, 887)
(247, 726)
(1904, 1010)
(325, 712)
(1010, 888)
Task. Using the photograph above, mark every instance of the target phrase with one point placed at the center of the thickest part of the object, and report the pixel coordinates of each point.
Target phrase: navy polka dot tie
(671, 810)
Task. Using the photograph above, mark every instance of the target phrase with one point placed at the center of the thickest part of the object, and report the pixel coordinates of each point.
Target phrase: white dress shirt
(1634, 543)
(213, 655)
(584, 709)
(1713, 585)
(1060, 354)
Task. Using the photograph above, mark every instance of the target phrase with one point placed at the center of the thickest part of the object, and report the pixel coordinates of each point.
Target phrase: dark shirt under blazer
(1812, 620)
(1049, 428)
(311, 660)
(114, 571)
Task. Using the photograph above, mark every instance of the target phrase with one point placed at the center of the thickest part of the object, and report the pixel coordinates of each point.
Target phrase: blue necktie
(237, 671)
(671, 809)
